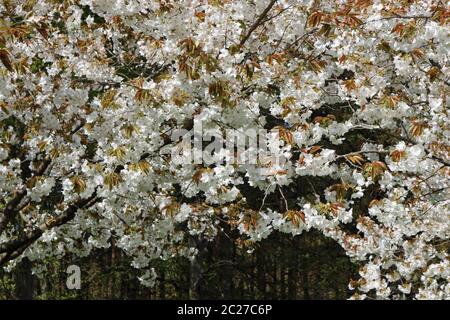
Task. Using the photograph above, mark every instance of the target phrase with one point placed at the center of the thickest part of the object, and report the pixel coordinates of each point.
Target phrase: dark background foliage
(307, 266)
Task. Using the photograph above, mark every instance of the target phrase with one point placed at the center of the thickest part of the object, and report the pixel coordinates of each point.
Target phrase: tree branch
(258, 22)
(11, 207)
(14, 248)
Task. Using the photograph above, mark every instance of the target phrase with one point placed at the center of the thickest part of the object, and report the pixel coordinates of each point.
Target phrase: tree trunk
(196, 269)
(226, 252)
(24, 280)
(261, 274)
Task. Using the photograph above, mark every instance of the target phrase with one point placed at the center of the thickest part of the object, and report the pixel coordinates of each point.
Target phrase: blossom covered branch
(92, 92)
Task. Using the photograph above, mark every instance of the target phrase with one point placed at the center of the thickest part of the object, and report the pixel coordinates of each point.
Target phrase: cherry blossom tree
(91, 91)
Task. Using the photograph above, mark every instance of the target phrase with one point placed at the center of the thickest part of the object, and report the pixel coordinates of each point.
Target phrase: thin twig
(258, 22)
(284, 198)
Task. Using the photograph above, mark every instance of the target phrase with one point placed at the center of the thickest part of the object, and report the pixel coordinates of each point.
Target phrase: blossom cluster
(91, 90)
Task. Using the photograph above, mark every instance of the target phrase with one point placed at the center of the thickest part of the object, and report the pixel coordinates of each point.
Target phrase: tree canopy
(92, 91)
